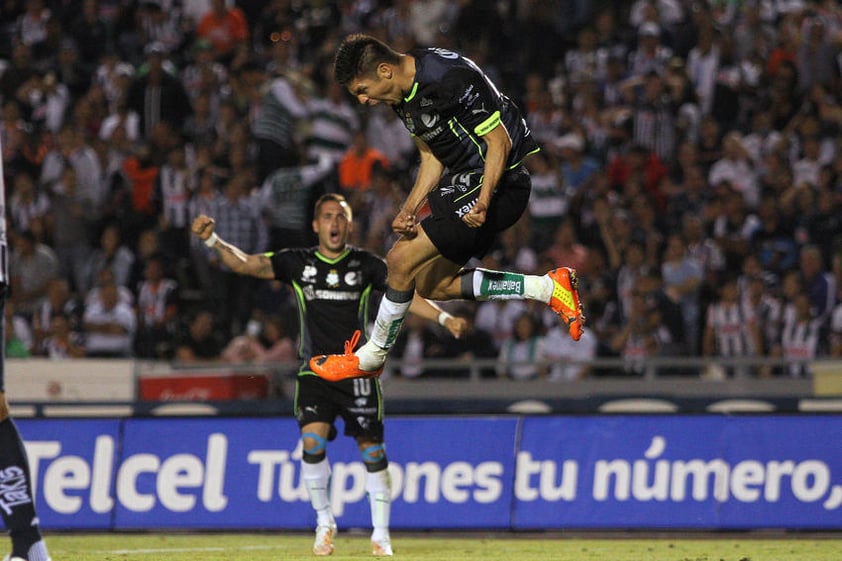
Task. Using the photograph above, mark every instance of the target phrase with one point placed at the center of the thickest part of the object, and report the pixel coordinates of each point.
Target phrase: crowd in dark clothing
(690, 171)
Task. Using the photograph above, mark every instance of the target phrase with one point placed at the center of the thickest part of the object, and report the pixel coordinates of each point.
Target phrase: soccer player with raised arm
(333, 284)
(16, 501)
(472, 141)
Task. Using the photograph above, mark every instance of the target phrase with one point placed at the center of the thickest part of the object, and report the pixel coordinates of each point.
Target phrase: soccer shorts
(358, 401)
(454, 197)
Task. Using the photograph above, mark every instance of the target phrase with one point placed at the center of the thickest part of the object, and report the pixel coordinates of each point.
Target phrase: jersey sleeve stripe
(488, 125)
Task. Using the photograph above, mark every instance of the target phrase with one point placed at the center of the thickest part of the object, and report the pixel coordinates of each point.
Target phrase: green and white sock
(390, 315)
(486, 284)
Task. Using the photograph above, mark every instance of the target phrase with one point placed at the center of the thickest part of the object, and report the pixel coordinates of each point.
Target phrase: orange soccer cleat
(565, 300)
(335, 368)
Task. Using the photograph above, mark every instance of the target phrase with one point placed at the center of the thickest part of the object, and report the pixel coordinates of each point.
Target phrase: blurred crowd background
(691, 172)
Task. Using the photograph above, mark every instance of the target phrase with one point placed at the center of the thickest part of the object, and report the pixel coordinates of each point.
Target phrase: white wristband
(443, 317)
(212, 239)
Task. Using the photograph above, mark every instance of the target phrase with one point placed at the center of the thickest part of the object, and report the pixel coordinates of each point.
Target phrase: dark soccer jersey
(452, 104)
(333, 295)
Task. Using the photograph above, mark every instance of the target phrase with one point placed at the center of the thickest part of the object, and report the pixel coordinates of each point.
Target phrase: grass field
(440, 547)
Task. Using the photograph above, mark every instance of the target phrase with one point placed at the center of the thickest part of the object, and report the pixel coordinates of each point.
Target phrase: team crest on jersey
(309, 273)
(426, 102)
(410, 125)
(429, 120)
(332, 278)
(352, 278)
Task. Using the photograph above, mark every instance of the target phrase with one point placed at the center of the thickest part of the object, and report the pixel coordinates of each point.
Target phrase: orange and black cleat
(565, 300)
(335, 368)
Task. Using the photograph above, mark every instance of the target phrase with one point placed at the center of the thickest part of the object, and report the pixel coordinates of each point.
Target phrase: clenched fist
(203, 226)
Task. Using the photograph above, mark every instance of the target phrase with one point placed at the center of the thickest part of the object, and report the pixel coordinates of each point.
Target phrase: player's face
(332, 227)
(381, 87)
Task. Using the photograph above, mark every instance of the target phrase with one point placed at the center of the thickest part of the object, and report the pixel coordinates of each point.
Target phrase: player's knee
(374, 457)
(314, 447)
(399, 262)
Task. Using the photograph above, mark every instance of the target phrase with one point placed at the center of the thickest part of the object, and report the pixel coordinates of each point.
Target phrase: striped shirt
(276, 117)
(730, 323)
(332, 128)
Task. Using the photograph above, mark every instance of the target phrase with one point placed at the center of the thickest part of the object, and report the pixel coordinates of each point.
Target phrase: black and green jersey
(333, 295)
(452, 104)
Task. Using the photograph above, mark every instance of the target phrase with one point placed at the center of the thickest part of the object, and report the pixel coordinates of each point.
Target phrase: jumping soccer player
(332, 284)
(472, 141)
(16, 501)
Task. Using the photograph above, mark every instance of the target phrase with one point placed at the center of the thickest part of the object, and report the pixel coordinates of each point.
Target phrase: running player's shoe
(381, 548)
(324, 540)
(335, 368)
(565, 300)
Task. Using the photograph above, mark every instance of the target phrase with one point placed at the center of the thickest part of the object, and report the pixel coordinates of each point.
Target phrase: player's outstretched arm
(233, 257)
(457, 326)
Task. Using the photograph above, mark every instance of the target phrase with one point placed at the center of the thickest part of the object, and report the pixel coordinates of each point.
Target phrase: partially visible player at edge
(472, 141)
(332, 284)
(16, 500)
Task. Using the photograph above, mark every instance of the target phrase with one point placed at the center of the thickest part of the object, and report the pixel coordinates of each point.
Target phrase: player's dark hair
(335, 197)
(358, 55)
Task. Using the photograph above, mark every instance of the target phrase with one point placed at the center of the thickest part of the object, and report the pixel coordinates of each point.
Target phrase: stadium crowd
(691, 172)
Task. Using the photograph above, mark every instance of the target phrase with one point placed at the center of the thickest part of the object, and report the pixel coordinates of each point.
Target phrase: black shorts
(456, 194)
(359, 401)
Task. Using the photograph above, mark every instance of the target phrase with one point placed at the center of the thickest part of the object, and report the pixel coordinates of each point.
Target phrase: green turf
(435, 547)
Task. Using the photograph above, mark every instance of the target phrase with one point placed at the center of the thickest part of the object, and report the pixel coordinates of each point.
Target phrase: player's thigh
(363, 410)
(439, 280)
(315, 401)
(408, 256)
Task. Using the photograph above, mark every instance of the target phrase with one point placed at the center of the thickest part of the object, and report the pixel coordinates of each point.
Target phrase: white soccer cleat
(324, 540)
(381, 548)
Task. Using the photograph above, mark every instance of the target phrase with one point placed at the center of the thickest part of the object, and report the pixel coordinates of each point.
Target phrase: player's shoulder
(432, 64)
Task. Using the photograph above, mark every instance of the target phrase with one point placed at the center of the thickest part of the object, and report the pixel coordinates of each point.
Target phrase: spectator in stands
(26, 202)
(58, 302)
(19, 341)
(174, 187)
(548, 201)
(286, 200)
(566, 247)
(111, 254)
(264, 341)
(520, 356)
(568, 360)
(637, 339)
(682, 277)
(33, 265)
(801, 338)
(417, 342)
(355, 168)
(278, 108)
(820, 284)
(61, 341)
(157, 313)
(225, 27)
(237, 219)
(333, 123)
(199, 342)
(157, 96)
(731, 329)
(110, 325)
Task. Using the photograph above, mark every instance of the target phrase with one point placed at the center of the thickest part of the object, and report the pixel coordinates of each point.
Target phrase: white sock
(378, 485)
(538, 288)
(500, 285)
(38, 551)
(317, 480)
